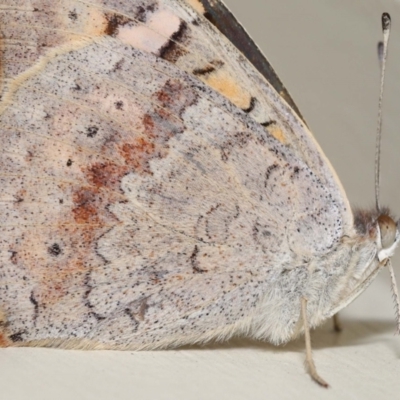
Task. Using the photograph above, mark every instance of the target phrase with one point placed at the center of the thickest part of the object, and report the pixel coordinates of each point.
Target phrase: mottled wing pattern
(142, 203)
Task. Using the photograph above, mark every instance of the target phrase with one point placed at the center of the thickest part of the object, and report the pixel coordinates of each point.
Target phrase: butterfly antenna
(382, 54)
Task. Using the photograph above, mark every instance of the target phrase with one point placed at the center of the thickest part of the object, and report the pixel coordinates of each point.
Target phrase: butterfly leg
(337, 326)
(309, 359)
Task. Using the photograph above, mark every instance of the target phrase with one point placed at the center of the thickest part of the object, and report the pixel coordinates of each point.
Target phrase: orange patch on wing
(221, 82)
(277, 133)
(196, 4)
(95, 23)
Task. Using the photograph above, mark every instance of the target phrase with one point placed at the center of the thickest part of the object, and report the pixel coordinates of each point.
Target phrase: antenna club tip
(385, 21)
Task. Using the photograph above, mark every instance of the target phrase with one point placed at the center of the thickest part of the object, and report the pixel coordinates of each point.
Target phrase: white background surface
(325, 53)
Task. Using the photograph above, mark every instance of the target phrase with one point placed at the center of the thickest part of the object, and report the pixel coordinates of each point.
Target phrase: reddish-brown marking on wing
(106, 174)
(4, 341)
(86, 208)
(175, 96)
(138, 154)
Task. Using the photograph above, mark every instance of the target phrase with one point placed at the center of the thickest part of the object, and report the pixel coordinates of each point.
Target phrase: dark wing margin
(219, 15)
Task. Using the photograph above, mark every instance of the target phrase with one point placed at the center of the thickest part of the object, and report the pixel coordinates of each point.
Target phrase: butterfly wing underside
(153, 183)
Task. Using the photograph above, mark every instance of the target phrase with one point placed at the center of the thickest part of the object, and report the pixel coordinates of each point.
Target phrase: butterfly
(161, 188)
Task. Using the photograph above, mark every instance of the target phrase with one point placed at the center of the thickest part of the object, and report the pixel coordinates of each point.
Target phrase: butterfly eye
(388, 230)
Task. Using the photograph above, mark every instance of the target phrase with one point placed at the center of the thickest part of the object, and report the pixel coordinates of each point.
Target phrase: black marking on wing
(17, 337)
(91, 131)
(268, 173)
(114, 21)
(73, 15)
(251, 106)
(209, 68)
(131, 316)
(171, 51)
(54, 250)
(143, 13)
(268, 123)
(195, 263)
(35, 303)
(203, 71)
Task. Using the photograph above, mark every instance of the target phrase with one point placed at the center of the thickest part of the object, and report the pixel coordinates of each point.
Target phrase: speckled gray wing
(140, 208)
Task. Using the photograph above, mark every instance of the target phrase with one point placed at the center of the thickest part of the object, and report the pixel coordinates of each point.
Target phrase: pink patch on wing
(154, 35)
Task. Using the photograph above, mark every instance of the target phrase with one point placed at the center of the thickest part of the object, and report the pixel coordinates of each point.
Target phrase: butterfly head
(381, 227)
(388, 236)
